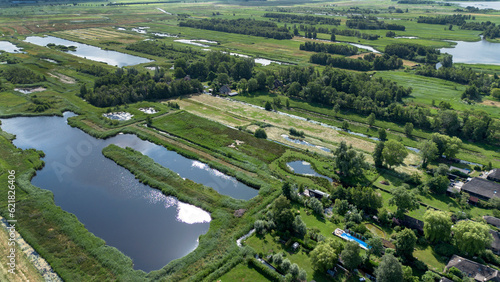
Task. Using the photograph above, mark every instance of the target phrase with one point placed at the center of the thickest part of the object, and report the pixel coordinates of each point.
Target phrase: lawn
(243, 272)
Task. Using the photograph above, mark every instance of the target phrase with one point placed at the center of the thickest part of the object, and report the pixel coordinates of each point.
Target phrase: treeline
(449, 19)
(384, 62)
(21, 75)
(94, 70)
(416, 2)
(372, 24)
(411, 51)
(241, 26)
(354, 91)
(460, 75)
(123, 87)
(490, 30)
(363, 94)
(357, 33)
(340, 49)
(161, 49)
(307, 19)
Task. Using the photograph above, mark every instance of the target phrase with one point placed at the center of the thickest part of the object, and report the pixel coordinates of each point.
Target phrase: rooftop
(477, 271)
(482, 187)
(492, 220)
(494, 175)
(495, 245)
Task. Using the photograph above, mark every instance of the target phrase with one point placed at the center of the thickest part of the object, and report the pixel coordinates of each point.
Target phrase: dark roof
(492, 220)
(477, 271)
(495, 245)
(495, 175)
(224, 89)
(482, 187)
(410, 222)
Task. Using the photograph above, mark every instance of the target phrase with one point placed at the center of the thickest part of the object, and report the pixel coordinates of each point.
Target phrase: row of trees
(445, 19)
(356, 33)
(21, 75)
(384, 62)
(372, 24)
(161, 49)
(307, 19)
(409, 51)
(340, 49)
(241, 26)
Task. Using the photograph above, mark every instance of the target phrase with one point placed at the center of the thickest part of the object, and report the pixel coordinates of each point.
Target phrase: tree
(252, 85)
(428, 152)
(243, 85)
(323, 257)
(299, 227)
(294, 270)
(382, 134)
(408, 128)
(437, 226)
(447, 60)
(282, 213)
(394, 153)
(325, 254)
(348, 161)
(471, 237)
(370, 119)
(302, 275)
(315, 205)
(332, 37)
(378, 159)
(149, 120)
(287, 103)
(404, 200)
(376, 246)
(438, 184)
(350, 255)
(405, 243)
(287, 190)
(389, 269)
(452, 147)
(268, 106)
(260, 133)
(345, 125)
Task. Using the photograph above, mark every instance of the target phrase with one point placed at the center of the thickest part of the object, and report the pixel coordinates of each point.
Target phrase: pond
(108, 199)
(90, 52)
(9, 47)
(479, 52)
(495, 5)
(305, 168)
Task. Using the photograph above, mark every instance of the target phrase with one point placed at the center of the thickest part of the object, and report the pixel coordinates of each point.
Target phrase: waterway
(90, 52)
(9, 47)
(479, 52)
(305, 168)
(495, 5)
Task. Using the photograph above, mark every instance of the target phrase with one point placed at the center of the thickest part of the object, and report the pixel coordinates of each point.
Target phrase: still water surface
(146, 225)
(479, 52)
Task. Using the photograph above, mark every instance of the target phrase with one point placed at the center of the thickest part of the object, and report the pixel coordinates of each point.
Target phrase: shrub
(260, 133)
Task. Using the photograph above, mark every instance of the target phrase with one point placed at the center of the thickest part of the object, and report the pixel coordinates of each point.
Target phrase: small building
(410, 222)
(295, 246)
(318, 194)
(492, 220)
(494, 175)
(495, 245)
(225, 90)
(482, 188)
(233, 93)
(474, 270)
(444, 279)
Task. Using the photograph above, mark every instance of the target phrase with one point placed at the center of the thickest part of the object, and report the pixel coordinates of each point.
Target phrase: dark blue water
(146, 225)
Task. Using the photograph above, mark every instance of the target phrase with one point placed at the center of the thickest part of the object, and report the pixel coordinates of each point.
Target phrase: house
(492, 220)
(495, 245)
(474, 270)
(482, 188)
(224, 90)
(295, 246)
(277, 84)
(318, 194)
(410, 222)
(494, 175)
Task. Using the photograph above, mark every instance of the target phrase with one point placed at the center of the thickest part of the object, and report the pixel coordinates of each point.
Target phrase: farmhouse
(494, 175)
(495, 245)
(492, 220)
(482, 188)
(474, 270)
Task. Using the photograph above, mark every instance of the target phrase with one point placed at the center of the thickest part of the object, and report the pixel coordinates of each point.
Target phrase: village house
(482, 188)
(474, 270)
(492, 220)
(494, 175)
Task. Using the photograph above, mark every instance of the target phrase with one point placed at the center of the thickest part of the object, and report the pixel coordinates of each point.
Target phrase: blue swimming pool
(352, 238)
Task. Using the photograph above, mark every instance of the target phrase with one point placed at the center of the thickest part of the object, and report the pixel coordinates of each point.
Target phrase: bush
(445, 249)
(260, 133)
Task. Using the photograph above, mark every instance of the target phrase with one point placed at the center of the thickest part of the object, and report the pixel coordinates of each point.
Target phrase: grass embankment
(72, 251)
(217, 247)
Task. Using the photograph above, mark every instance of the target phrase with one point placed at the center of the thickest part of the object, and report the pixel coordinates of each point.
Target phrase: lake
(9, 47)
(479, 52)
(495, 5)
(108, 199)
(305, 168)
(90, 52)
